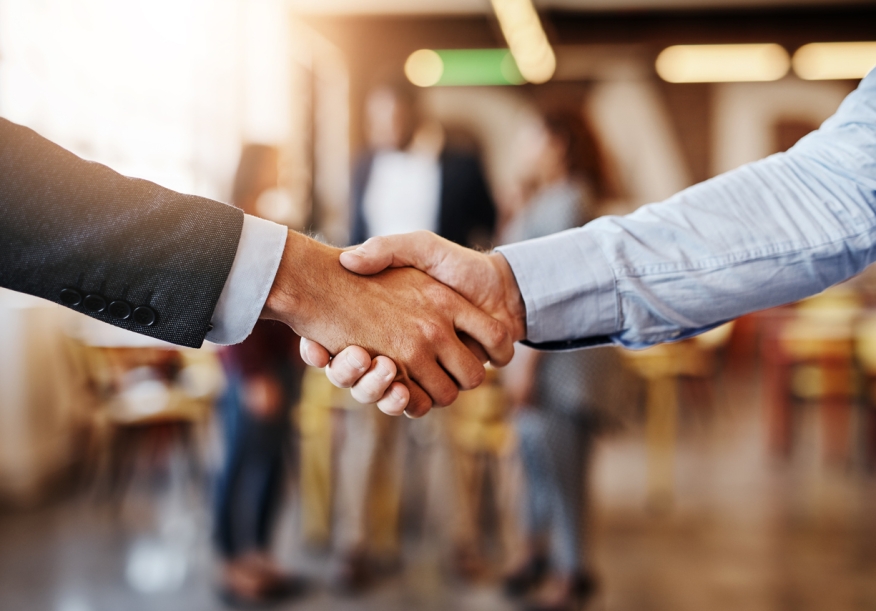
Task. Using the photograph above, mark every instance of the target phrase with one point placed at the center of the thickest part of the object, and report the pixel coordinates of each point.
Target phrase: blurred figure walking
(557, 394)
(264, 380)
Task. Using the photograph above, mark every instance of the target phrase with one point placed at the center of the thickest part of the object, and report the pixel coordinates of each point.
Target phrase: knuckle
(391, 404)
(431, 330)
(347, 371)
(333, 379)
(340, 376)
(474, 378)
(375, 241)
(388, 407)
(364, 393)
(497, 332)
(418, 411)
(445, 396)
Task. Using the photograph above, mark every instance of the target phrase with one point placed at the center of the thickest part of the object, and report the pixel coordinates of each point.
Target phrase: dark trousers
(250, 485)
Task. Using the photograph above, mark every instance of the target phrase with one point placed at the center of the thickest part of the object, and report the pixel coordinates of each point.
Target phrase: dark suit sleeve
(122, 250)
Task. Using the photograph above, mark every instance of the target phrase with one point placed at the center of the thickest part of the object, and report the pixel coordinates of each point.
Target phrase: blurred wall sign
(462, 67)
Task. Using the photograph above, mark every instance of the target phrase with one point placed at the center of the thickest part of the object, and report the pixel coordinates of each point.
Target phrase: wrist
(514, 304)
(292, 299)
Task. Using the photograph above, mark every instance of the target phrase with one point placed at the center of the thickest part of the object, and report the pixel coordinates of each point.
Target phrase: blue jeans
(250, 484)
(555, 448)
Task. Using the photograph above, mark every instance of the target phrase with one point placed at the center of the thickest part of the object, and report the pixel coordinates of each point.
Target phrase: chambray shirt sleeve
(252, 274)
(765, 234)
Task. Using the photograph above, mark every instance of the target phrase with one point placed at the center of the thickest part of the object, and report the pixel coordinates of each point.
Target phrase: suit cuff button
(145, 316)
(119, 310)
(94, 303)
(70, 298)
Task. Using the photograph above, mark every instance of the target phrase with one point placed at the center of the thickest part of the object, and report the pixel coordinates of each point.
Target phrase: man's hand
(400, 313)
(485, 280)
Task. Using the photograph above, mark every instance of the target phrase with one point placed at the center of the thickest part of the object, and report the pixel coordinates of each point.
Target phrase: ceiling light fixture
(723, 63)
(424, 68)
(526, 39)
(834, 60)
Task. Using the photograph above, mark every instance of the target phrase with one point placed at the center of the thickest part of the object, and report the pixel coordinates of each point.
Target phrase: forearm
(79, 234)
(766, 234)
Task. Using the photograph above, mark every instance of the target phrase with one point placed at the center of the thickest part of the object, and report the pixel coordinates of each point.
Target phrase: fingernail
(355, 362)
(397, 394)
(383, 372)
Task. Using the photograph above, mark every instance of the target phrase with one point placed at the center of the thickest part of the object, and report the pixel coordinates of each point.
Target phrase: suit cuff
(568, 288)
(249, 282)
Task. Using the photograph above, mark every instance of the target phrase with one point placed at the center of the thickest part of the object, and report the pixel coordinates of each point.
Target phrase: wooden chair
(662, 366)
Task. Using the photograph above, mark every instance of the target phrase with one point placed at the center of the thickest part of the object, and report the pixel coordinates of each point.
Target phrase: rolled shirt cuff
(568, 287)
(247, 286)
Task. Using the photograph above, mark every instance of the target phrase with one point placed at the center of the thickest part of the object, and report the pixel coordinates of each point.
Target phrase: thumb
(417, 249)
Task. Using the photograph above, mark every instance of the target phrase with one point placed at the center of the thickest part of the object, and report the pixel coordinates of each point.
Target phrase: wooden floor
(745, 532)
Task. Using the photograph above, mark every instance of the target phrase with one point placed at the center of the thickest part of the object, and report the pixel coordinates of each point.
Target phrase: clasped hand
(412, 371)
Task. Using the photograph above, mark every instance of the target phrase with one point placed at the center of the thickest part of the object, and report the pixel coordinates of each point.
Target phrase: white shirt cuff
(247, 286)
(567, 286)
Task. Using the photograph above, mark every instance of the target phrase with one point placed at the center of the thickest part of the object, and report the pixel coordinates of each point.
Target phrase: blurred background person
(407, 179)
(557, 394)
(263, 382)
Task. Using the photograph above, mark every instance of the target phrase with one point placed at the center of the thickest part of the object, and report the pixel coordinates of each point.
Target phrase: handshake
(410, 327)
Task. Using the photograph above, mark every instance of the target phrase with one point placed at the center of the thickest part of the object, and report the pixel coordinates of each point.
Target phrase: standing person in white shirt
(406, 180)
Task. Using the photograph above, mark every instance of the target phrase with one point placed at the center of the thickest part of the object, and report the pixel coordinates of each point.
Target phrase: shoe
(468, 565)
(286, 587)
(248, 585)
(275, 580)
(586, 584)
(349, 575)
(561, 595)
(293, 587)
(520, 581)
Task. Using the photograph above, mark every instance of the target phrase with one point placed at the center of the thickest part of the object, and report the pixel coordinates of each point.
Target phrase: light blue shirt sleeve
(765, 234)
